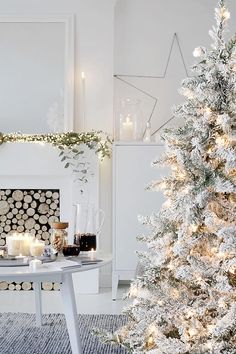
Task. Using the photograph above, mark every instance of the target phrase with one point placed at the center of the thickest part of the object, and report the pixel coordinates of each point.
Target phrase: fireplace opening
(32, 211)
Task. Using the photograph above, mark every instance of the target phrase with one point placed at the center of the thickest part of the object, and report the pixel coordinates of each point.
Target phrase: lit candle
(37, 248)
(35, 264)
(13, 243)
(127, 129)
(92, 254)
(20, 256)
(19, 244)
(26, 242)
(83, 99)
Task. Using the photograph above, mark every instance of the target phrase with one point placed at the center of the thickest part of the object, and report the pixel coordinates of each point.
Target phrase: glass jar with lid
(59, 235)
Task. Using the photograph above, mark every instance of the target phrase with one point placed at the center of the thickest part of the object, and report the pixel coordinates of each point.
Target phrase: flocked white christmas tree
(185, 299)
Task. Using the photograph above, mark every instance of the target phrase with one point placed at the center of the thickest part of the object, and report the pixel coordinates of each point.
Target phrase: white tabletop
(52, 270)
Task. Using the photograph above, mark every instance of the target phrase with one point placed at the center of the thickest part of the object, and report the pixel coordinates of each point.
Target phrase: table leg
(115, 282)
(38, 303)
(68, 299)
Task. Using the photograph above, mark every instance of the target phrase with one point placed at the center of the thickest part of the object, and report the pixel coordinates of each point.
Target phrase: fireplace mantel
(31, 159)
(37, 166)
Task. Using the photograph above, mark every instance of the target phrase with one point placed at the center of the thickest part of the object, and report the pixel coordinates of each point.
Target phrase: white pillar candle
(37, 248)
(19, 244)
(127, 129)
(26, 242)
(35, 264)
(13, 243)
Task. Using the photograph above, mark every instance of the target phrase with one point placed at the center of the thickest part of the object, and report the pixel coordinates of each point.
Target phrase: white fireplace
(38, 166)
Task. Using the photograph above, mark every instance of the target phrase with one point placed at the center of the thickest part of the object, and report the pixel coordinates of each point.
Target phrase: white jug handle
(101, 218)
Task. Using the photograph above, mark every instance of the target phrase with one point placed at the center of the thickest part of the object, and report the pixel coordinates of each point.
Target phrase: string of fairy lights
(94, 140)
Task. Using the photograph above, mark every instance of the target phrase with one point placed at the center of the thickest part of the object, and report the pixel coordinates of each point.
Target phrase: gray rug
(19, 335)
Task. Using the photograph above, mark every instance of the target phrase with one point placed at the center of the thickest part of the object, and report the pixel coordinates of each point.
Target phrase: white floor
(23, 301)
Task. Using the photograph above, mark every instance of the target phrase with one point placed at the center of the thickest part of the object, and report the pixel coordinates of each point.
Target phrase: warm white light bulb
(226, 14)
(232, 270)
(210, 328)
(150, 341)
(192, 332)
(163, 185)
(187, 92)
(198, 52)
(208, 111)
(152, 330)
(167, 204)
(221, 303)
(220, 141)
(175, 294)
(186, 190)
(181, 175)
(209, 345)
(133, 291)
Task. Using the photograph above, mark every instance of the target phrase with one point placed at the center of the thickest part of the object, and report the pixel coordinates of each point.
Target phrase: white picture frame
(69, 58)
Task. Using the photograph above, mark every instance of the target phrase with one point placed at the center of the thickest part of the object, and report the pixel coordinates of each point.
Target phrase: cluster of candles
(24, 244)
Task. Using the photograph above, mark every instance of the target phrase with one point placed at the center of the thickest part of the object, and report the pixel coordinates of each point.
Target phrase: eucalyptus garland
(71, 146)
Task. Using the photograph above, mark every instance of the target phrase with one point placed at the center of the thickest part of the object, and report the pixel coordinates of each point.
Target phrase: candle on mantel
(37, 248)
(83, 99)
(127, 129)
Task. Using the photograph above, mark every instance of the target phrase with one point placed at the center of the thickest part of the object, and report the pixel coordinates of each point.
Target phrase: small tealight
(92, 255)
(35, 264)
(20, 256)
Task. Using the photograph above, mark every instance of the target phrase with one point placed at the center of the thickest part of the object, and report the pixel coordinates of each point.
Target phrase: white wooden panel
(133, 172)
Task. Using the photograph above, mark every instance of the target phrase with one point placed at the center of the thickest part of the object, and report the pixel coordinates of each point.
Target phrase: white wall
(143, 34)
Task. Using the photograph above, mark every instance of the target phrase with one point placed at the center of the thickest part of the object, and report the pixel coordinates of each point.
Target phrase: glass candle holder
(129, 120)
(37, 248)
(19, 244)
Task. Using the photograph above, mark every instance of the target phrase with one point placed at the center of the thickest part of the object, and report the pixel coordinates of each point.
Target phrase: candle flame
(128, 119)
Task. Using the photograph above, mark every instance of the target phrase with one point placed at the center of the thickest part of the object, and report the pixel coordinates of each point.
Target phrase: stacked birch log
(32, 211)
